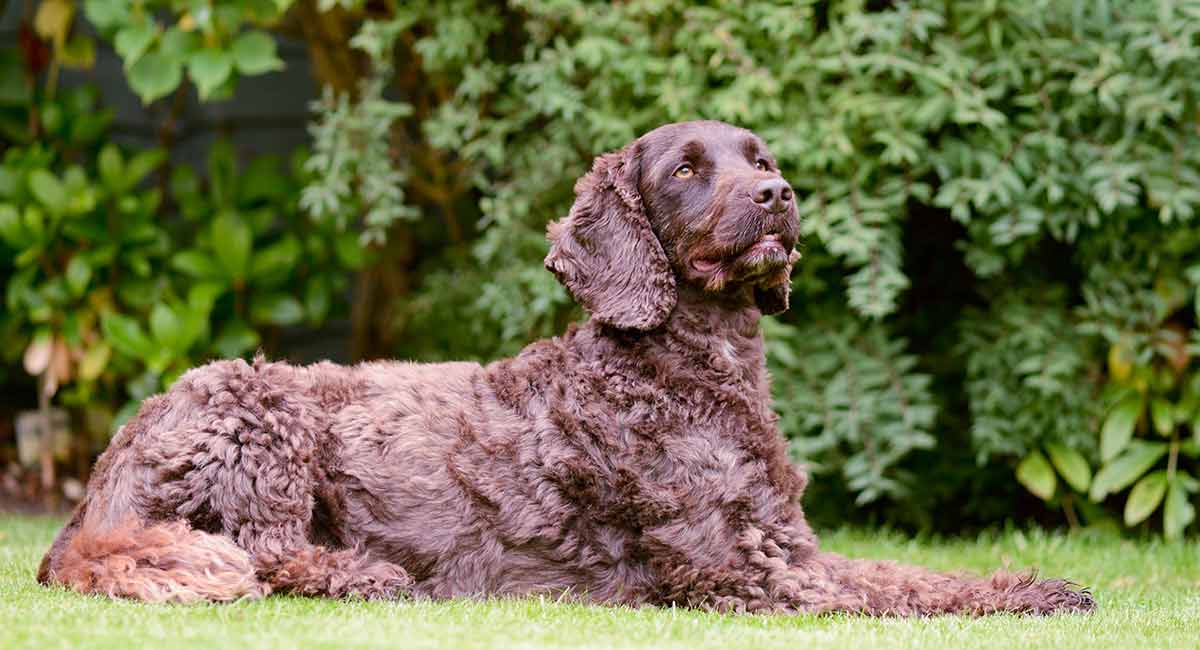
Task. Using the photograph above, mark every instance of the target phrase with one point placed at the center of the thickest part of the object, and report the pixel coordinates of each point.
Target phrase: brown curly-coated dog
(634, 459)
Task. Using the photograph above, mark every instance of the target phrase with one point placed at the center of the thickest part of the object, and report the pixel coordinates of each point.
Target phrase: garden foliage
(999, 200)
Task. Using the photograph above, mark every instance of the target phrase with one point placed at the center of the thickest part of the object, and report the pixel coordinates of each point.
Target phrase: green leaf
(134, 40)
(11, 229)
(1145, 497)
(79, 273)
(178, 45)
(168, 329)
(196, 264)
(203, 295)
(154, 75)
(236, 339)
(254, 52)
(350, 250)
(276, 309)
(142, 164)
(231, 240)
(107, 15)
(1125, 469)
(209, 68)
(111, 166)
(1118, 426)
(1178, 512)
(1071, 465)
(1037, 476)
(276, 260)
(124, 334)
(1162, 414)
(48, 190)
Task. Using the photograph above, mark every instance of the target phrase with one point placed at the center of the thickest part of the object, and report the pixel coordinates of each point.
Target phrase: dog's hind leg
(263, 437)
(813, 581)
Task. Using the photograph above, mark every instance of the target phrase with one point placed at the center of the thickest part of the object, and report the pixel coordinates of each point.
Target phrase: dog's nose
(773, 194)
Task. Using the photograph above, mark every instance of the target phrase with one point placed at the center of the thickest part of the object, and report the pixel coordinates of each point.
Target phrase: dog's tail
(163, 562)
(889, 588)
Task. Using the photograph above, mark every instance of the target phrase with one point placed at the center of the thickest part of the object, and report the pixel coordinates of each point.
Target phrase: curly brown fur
(634, 459)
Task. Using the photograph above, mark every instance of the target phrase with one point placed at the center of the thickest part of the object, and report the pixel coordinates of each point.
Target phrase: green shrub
(1051, 139)
(998, 197)
(120, 271)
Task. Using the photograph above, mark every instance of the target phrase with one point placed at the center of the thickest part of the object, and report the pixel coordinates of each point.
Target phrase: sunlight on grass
(1148, 595)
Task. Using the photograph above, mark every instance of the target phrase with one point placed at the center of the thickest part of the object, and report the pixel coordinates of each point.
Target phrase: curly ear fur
(773, 298)
(605, 253)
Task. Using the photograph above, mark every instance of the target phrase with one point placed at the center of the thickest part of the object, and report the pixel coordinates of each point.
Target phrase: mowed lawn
(1148, 595)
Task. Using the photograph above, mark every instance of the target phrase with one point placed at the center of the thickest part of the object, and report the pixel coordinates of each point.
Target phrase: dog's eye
(685, 171)
(761, 165)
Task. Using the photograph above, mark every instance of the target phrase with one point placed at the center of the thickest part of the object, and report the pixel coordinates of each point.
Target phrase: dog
(635, 459)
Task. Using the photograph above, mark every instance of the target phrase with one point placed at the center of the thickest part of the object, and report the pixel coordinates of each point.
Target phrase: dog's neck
(720, 334)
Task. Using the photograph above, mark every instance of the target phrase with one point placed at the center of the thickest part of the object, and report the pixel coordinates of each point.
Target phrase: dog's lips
(769, 250)
(770, 243)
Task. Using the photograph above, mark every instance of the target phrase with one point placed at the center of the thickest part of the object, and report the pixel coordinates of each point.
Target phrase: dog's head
(700, 203)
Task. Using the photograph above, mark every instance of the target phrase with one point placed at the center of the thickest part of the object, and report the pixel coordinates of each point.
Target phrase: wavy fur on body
(634, 459)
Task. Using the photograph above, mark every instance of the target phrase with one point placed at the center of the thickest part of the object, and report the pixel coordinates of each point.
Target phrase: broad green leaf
(1118, 426)
(1037, 476)
(11, 229)
(124, 334)
(107, 15)
(254, 53)
(350, 250)
(276, 260)
(1122, 471)
(178, 45)
(236, 339)
(231, 240)
(79, 273)
(209, 68)
(1145, 497)
(203, 295)
(48, 190)
(154, 75)
(1071, 465)
(112, 167)
(142, 164)
(197, 264)
(134, 40)
(1162, 414)
(168, 329)
(276, 309)
(1178, 511)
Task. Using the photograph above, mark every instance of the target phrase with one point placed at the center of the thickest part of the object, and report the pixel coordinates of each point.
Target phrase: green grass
(1148, 595)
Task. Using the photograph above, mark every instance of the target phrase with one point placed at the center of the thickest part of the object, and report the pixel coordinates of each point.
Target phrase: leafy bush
(120, 270)
(999, 202)
(1048, 138)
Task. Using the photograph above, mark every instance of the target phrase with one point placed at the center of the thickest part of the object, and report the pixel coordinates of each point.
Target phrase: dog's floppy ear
(773, 298)
(604, 251)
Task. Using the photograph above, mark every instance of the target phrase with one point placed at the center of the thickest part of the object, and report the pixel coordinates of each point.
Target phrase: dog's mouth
(768, 252)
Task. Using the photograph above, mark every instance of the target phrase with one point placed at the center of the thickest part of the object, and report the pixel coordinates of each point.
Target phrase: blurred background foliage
(996, 313)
